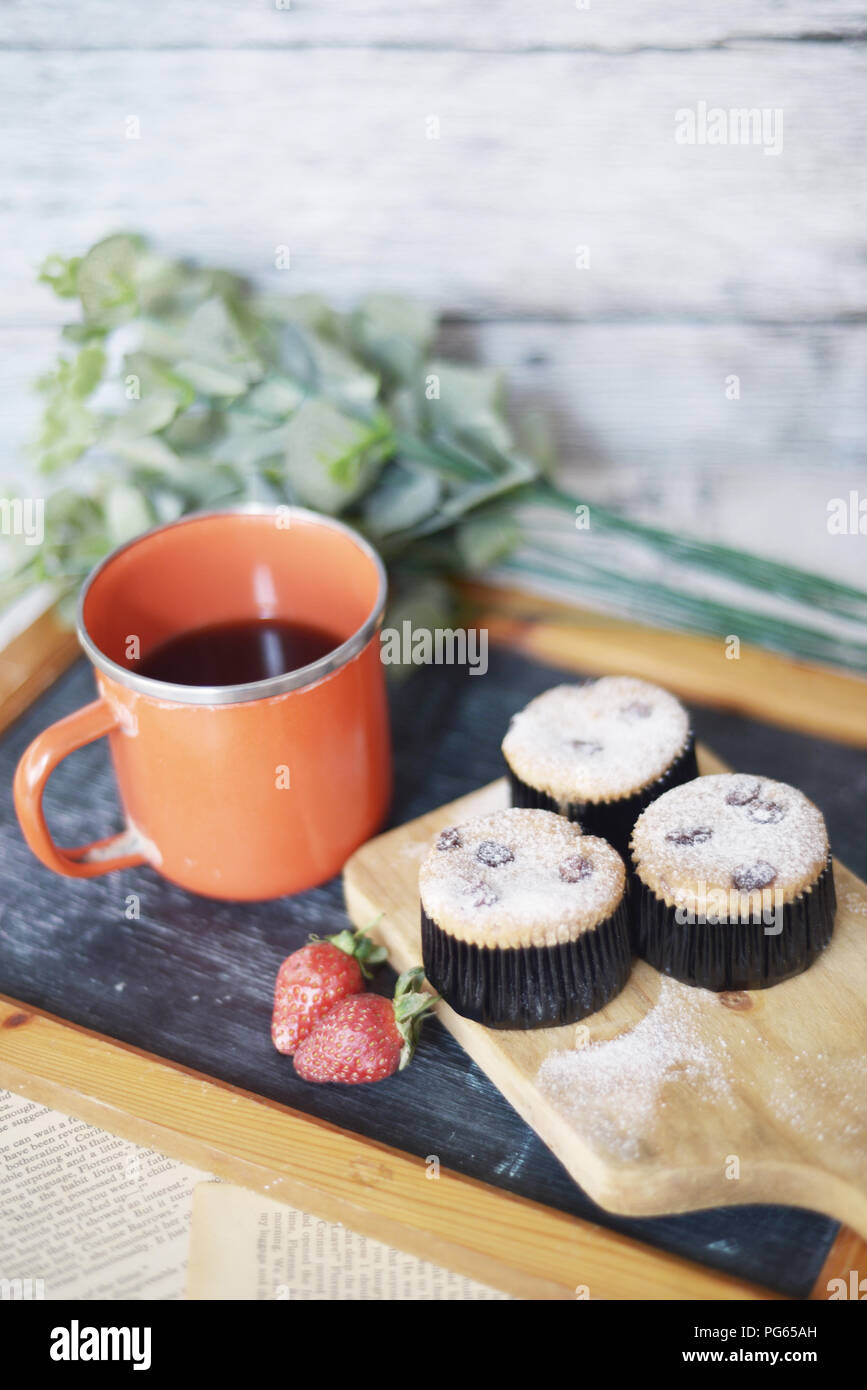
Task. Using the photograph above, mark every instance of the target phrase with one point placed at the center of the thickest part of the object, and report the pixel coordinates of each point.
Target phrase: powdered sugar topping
(519, 878)
(730, 831)
(596, 742)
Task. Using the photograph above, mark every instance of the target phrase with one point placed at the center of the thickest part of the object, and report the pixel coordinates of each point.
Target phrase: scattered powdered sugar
(518, 878)
(598, 741)
(812, 1092)
(854, 903)
(614, 1091)
(730, 831)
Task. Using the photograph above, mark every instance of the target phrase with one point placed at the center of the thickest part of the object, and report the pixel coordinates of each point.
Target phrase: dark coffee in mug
(235, 653)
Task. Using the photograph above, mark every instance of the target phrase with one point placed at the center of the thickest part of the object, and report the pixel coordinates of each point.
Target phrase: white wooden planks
(325, 151)
(619, 25)
(263, 125)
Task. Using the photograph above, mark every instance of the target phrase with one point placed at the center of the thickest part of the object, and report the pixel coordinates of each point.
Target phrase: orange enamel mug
(241, 792)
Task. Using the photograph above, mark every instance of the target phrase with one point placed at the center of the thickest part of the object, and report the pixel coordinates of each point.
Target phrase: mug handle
(86, 725)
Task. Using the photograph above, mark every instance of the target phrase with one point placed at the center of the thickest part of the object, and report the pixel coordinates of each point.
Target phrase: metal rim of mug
(251, 690)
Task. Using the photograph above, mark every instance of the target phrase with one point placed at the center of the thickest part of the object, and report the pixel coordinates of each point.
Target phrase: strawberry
(313, 979)
(366, 1037)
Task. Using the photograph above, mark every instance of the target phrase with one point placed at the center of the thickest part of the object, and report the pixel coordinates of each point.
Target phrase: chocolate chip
(450, 838)
(766, 812)
(699, 836)
(585, 745)
(493, 854)
(743, 794)
(576, 867)
(748, 878)
(637, 709)
(483, 894)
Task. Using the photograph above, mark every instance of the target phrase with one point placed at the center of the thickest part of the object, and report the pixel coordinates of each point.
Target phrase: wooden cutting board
(672, 1099)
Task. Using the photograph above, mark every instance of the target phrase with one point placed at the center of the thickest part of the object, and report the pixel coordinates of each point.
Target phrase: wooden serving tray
(757, 1096)
(204, 1085)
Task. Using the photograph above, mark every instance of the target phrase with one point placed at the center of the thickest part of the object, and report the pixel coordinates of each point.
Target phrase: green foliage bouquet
(182, 387)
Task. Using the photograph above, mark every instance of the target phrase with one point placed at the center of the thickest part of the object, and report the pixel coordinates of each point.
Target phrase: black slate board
(191, 980)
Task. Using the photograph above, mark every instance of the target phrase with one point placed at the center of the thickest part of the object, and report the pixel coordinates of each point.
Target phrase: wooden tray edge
(820, 701)
(519, 1246)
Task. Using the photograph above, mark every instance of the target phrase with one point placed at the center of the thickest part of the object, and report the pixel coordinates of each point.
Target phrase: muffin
(523, 920)
(733, 885)
(599, 753)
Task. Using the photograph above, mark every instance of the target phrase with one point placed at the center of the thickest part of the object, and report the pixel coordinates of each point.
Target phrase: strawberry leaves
(411, 1004)
(358, 944)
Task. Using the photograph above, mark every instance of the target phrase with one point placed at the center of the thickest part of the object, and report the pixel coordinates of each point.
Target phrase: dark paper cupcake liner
(529, 987)
(734, 955)
(611, 820)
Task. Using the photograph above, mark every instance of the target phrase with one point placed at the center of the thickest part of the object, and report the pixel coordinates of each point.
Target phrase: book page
(244, 1246)
(86, 1215)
